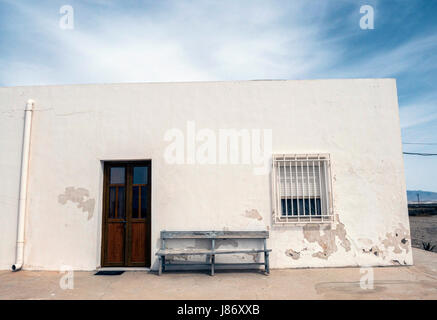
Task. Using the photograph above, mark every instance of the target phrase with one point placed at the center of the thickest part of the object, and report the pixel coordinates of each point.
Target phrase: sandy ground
(397, 282)
(423, 228)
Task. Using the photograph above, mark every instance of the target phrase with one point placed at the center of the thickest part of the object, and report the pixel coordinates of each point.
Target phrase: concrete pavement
(397, 282)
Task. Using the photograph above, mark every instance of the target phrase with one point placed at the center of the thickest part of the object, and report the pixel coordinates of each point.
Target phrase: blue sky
(137, 41)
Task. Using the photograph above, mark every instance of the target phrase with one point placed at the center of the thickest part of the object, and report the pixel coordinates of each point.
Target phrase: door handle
(124, 224)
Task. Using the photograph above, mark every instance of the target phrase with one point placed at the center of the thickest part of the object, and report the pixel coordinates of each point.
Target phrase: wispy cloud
(417, 55)
(194, 41)
(419, 112)
(133, 41)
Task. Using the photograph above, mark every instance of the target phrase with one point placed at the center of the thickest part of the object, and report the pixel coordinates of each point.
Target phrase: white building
(336, 195)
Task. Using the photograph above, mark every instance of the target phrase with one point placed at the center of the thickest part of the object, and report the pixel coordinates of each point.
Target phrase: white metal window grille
(302, 188)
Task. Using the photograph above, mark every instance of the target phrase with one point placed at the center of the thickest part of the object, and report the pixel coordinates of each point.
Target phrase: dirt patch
(423, 229)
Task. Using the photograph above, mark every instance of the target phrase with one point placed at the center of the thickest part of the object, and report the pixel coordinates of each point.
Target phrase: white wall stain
(79, 196)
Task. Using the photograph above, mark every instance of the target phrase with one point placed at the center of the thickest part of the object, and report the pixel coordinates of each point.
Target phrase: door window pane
(140, 175)
(143, 202)
(135, 201)
(121, 203)
(117, 175)
(112, 202)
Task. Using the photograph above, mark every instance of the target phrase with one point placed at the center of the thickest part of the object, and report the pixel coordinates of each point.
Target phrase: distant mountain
(423, 195)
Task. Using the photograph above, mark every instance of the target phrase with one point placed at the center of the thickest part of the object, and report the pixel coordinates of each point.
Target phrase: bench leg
(266, 262)
(212, 264)
(159, 265)
(163, 263)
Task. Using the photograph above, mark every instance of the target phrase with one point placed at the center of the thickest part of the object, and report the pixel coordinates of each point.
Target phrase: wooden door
(127, 214)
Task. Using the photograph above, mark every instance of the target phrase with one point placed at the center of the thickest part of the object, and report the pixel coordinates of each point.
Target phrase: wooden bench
(213, 251)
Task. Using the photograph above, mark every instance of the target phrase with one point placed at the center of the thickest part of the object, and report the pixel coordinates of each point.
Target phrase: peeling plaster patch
(366, 242)
(254, 256)
(253, 214)
(205, 244)
(326, 239)
(80, 196)
(177, 258)
(293, 254)
(398, 240)
(220, 242)
(374, 250)
(202, 244)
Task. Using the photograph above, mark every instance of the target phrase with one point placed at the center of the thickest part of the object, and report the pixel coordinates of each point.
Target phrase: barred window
(302, 188)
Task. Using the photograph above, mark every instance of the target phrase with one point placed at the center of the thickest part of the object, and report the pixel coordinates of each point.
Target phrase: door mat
(108, 273)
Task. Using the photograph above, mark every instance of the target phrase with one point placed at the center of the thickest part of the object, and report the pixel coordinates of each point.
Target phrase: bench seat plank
(214, 234)
(206, 264)
(226, 251)
(175, 252)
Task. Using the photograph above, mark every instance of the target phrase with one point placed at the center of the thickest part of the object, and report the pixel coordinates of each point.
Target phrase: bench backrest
(214, 235)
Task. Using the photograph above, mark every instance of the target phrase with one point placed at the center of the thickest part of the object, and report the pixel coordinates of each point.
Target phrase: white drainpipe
(23, 186)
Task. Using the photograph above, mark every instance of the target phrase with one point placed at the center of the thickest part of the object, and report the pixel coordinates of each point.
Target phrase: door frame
(128, 235)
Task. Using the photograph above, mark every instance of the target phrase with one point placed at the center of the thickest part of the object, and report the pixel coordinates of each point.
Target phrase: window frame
(325, 189)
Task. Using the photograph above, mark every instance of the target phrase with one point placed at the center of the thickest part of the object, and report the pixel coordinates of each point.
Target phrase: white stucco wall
(76, 127)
